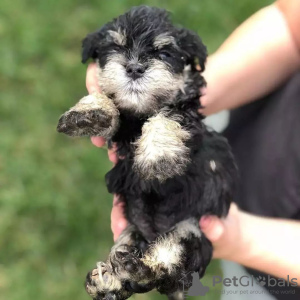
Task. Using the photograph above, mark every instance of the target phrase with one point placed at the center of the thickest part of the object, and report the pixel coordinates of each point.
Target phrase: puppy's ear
(90, 46)
(193, 49)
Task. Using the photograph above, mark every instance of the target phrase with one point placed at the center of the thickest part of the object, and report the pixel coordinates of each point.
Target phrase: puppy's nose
(135, 70)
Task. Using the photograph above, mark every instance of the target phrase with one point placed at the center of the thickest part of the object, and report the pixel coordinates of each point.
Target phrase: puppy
(173, 169)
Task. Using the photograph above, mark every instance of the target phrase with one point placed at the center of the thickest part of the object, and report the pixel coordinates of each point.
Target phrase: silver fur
(139, 96)
(90, 109)
(161, 151)
(164, 39)
(119, 37)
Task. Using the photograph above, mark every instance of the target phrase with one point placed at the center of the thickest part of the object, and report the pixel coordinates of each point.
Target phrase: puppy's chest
(130, 128)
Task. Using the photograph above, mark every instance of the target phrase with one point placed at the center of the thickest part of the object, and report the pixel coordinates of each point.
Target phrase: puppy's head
(144, 61)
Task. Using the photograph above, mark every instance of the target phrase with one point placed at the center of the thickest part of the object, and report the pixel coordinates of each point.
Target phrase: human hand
(92, 87)
(225, 234)
(118, 221)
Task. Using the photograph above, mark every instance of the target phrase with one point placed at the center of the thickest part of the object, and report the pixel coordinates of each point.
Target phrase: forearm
(269, 245)
(257, 57)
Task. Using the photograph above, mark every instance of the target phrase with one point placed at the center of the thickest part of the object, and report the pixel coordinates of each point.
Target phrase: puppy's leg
(93, 115)
(111, 280)
(167, 264)
(161, 151)
(125, 259)
(176, 255)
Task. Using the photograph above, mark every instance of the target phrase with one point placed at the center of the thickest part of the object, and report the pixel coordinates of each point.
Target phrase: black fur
(152, 206)
(143, 24)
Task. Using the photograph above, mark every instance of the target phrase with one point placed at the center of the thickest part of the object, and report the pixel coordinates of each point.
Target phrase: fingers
(112, 154)
(118, 220)
(212, 227)
(92, 87)
(225, 234)
(202, 100)
(91, 79)
(98, 141)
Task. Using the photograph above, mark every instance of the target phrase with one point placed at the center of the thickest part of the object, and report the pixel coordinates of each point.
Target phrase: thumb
(225, 234)
(212, 227)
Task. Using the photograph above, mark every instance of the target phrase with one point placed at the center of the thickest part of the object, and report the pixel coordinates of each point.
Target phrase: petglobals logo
(246, 284)
(246, 281)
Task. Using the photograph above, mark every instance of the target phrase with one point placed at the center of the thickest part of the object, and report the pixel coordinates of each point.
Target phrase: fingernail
(205, 221)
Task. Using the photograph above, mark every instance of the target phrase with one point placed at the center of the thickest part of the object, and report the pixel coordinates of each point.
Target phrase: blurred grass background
(54, 207)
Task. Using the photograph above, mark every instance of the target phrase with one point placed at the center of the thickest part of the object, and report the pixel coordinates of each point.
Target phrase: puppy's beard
(157, 86)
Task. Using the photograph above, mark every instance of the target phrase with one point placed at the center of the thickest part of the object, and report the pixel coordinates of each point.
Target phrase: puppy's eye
(164, 55)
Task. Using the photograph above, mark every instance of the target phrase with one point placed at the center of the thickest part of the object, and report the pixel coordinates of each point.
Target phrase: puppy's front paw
(93, 115)
(161, 152)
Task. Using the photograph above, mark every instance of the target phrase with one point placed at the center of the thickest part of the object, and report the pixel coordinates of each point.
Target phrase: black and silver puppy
(173, 169)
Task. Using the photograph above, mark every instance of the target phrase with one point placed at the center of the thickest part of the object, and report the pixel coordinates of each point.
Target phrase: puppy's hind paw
(128, 266)
(93, 115)
(102, 283)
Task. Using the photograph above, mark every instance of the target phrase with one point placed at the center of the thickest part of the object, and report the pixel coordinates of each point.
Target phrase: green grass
(54, 207)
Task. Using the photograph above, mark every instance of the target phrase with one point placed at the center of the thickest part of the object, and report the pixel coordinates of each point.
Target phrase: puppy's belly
(155, 215)
(154, 207)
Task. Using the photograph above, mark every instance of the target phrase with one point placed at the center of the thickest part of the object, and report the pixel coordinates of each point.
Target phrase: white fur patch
(164, 39)
(186, 227)
(119, 37)
(95, 101)
(164, 253)
(161, 151)
(213, 165)
(108, 281)
(167, 252)
(140, 95)
(103, 281)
